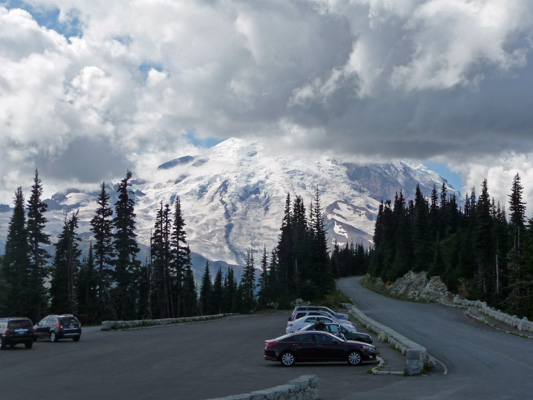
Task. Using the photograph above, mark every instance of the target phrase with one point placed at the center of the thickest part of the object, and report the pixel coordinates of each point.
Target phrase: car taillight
(6, 332)
(269, 344)
(59, 325)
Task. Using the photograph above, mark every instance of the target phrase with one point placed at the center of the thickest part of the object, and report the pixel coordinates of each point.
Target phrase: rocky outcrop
(416, 286)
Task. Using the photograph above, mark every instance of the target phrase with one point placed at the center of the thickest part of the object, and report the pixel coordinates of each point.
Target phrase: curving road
(481, 363)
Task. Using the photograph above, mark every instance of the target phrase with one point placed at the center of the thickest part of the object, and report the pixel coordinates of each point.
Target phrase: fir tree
(247, 284)
(65, 269)
(86, 289)
(16, 261)
(39, 257)
(180, 253)
(102, 228)
(126, 249)
(206, 292)
(188, 291)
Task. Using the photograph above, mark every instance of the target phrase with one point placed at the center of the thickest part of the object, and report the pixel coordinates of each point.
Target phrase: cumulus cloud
(128, 81)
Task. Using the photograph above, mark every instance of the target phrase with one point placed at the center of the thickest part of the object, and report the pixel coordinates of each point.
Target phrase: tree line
(109, 282)
(476, 250)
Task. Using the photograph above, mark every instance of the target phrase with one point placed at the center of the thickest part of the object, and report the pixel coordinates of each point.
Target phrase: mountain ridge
(233, 197)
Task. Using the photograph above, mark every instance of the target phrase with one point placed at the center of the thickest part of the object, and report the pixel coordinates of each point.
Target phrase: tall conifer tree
(126, 250)
(102, 228)
(39, 257)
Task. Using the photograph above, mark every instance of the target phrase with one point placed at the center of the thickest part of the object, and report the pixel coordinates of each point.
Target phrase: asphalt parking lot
(193, 361)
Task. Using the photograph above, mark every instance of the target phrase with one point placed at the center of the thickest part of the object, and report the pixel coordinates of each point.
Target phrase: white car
(293, 326)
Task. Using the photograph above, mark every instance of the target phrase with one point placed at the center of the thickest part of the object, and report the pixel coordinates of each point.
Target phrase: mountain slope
(233, 197)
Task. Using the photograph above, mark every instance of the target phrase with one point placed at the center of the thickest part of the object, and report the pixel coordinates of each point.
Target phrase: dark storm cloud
(86, 160)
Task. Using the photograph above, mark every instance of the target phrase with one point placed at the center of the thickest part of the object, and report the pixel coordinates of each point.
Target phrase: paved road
(481, 363)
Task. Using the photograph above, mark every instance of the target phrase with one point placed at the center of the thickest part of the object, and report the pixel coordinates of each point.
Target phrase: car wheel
(28, 344)
(53, 337)
(2, 344)
(287, 359)
(354, 358)
(76, 338)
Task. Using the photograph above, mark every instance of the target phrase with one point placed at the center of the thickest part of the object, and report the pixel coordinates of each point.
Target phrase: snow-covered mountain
(233, 197)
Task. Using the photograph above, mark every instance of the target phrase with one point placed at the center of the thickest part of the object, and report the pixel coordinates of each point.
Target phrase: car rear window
(68, 321)
(19, 324)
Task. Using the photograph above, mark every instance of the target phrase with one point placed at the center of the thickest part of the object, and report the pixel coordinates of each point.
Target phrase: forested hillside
(477, 250)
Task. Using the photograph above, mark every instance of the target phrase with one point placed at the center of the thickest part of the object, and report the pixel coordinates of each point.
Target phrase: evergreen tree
(484, 242)
(102, 228)
(126, 250)
(322, 276)
(189, 295)
(230, 292)
(206, 292)
(16, 261)
(285, 256)
(39, 257)
(218, 293)
(86, 289)
(161, 260)
(264, 295)
(180, 253)
(247, 285)
(65, 268)
(422, 240)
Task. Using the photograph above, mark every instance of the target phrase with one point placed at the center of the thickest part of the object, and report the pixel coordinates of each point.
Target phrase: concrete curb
(416, 355)
(151, 323)
(303, 388)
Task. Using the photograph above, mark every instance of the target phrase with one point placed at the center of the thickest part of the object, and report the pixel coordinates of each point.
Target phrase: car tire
(28, 344)
(76, 338)
(287, 359)
(2, 344)
(354, 358)
(53, 337)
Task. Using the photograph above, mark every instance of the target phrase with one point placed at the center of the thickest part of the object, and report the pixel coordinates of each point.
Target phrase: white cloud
(373, 78)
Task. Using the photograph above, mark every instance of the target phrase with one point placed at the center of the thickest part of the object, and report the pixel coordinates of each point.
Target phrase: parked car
(293, 326)
(299, 312)
(340, 331)
(55, 327)
(317, 346)
(16, 330)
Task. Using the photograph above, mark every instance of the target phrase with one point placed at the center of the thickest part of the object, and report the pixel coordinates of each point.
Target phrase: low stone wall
(416, 355)
(110, 325)
(522, 324)
(302, 388)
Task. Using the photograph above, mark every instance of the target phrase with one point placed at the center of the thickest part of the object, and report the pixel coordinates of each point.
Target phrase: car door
(328, 348)
(42, 329)
(304, 347)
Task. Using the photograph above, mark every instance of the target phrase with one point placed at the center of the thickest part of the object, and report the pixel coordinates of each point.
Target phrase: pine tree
(285, 256)
(126, 250)
(189, 295)
(16, 261)
(247, 284)
(102, 228)
(161, 261)
(180, 253)
(39, 257)
(86, 289)
(206, 292)
(484, 242)
(322, 276)
(65, 268)
(218, 293)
